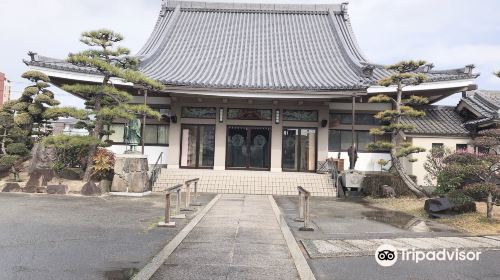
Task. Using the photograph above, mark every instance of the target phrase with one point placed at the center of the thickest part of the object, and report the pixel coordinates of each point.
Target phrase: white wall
(366, 161)
(151, 151)
(417, 168)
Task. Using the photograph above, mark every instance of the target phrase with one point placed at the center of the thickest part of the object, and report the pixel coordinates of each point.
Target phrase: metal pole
(353, 120)
(167, 222)
(167, 208)
(306, 211)
(300, 208)
(187, 199)
(178, 205)
(144, 120)
(195, 196)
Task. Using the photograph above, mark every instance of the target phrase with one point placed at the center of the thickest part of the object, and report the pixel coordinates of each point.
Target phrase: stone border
(130, 194)
(305, 272)
(149, 270)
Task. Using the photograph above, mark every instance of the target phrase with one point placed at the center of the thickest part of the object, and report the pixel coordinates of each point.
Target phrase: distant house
(66, 126)
(5, 89)
(267, 87)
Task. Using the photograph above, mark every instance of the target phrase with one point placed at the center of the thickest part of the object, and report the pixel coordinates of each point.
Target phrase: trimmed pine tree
(104, 101)
(403, 74)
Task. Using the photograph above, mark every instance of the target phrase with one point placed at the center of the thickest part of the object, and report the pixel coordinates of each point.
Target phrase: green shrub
(480, 191)
(72, 151)
(18, 149)
(462, 203)
(373, 182)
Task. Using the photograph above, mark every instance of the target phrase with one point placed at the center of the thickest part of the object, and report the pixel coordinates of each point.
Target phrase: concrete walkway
(239, 238)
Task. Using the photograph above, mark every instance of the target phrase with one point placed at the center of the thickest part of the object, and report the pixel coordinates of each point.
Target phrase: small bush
(462, 202)
(104, 162)
(373, 182)
(18, 149)
(72, 151)
(480, 191)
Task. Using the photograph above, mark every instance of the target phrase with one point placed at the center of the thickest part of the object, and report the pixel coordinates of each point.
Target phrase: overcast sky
(448, 33)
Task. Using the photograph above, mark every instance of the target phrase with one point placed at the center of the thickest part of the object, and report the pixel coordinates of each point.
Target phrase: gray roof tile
(439, 120)
(255, 46)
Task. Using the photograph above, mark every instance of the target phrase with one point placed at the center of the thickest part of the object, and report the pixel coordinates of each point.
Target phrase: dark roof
(439, 120)
(484, 103)
(256, 46)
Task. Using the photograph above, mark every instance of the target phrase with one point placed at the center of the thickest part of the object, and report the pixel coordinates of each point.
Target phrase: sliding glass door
(248, 148)
(299, 149)
(197, 146)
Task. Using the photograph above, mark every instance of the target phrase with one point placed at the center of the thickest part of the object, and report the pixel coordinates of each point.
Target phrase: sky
(448, 33)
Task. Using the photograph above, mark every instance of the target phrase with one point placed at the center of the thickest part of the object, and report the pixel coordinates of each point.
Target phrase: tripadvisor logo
(387, 255)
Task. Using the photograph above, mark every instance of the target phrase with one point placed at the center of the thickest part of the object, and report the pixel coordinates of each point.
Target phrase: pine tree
(104, 100)
(24, 121)
(403, 74)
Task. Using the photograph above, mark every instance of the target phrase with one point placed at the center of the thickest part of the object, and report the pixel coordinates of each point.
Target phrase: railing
(155, 172)
(304, 200)
(188, 191)
(177, 189)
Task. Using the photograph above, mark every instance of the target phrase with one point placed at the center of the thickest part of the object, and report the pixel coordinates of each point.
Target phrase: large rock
(105, 186)
(91, 189)
(43, 157)
(11, 187)
(57, 189)
(40, 177)
(444, 207)
(131, 174)
(388, 191)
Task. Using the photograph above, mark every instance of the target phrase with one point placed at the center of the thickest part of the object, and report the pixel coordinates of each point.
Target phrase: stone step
(249, 182)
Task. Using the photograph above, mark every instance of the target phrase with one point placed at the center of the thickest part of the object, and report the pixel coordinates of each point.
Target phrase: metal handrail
(174, 188)
(155, 172)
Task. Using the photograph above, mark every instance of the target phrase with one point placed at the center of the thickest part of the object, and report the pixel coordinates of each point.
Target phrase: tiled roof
(256, 46)
(484, 102)
(439, 120)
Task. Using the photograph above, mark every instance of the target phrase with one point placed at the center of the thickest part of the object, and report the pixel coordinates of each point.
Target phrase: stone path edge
(150, 269)
(303, 268)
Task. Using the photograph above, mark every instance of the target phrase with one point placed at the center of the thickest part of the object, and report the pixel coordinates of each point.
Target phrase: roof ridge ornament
(468, 69)
(164, 8)
(33, 56)
(344, 9)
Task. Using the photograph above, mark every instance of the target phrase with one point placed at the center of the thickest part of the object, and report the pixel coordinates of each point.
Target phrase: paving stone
(465, 243)
(236, 247)
(416, 243)
(366, 245)
(191, 272)
(496, 237)
(493, 242)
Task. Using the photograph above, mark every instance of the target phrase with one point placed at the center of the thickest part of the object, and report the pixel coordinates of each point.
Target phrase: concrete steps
(249, 182)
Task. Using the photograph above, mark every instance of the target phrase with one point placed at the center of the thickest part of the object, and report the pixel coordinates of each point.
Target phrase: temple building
(266, 87)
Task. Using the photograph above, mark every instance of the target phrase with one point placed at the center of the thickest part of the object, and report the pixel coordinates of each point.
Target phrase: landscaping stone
(40, 177)
(388, 191)
(43, 157)
(11, 187)
(105, 186)
(131, 174)
(71, 174)
(57, 189)
(443, 207)
(91, 189)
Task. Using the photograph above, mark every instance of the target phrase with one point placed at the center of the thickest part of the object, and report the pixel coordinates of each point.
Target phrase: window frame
(363, 150)
(145, 143)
